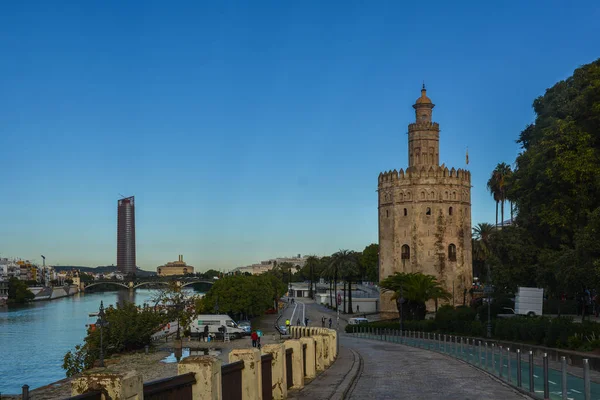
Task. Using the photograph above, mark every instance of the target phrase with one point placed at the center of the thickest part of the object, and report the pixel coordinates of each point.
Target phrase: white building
(9, 269)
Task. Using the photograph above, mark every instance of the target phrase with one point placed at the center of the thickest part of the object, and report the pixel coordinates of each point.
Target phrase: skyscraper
(126, 236)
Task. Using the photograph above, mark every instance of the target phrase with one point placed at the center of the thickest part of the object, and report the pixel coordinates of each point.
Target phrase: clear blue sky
(249, 130)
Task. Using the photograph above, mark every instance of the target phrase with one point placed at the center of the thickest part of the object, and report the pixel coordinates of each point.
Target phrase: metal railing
(231, 380)
(288, 367)
(524, 372)
(267, 376)
(175, 387)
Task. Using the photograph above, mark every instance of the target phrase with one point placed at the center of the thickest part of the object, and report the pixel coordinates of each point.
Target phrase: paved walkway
(392, 371)
(379, 370)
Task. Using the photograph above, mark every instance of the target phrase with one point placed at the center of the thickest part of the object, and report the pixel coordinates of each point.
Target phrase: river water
(35, 337)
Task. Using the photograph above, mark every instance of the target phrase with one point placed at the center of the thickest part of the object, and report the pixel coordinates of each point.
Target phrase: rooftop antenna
(122, 196)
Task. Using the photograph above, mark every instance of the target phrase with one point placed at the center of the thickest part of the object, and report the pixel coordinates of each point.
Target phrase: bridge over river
(132, 285)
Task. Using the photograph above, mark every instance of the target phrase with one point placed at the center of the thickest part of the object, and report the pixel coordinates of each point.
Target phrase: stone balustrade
(314, 350)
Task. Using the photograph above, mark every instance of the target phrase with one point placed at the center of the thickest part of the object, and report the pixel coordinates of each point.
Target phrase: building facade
(425, 213)
(126, 236)
(178, 267)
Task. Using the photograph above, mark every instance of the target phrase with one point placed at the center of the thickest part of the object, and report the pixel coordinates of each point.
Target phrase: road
(394, 371)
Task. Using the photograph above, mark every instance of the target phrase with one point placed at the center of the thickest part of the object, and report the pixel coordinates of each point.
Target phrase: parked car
(246, 326)
(357, 320)
(283, 330)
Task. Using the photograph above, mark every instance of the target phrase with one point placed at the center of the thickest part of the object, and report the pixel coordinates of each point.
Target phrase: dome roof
(423, 99)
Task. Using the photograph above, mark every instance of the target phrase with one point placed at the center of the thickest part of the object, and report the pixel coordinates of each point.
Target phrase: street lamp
(488, 290)
(101, 322)
(402, 301)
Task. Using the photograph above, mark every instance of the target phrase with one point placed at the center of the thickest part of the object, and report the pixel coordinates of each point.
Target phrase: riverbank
(53, 293)
(152, 366)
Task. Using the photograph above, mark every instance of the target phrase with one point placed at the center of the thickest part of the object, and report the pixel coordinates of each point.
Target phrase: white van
(357, 321)
(214, 323)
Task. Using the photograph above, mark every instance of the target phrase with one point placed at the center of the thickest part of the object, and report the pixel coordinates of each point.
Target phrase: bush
(561, 332)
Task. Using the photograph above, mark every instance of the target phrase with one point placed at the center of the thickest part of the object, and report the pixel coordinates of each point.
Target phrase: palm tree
(348, 261)
(503, 173)
(493, 185)
(338, 263)
(415, 289)
(482, 234)
(330, 271)
(311, 262)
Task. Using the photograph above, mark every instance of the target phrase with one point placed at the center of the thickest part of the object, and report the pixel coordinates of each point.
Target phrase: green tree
(129, 328)
(416, 289)
(18, 292)
(312, 263)
(555, 184)
(369, 262)
(493, 186)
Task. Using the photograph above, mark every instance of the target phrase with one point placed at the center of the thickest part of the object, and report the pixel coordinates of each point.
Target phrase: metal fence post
(25, 393)
(531, 385)
(546, 384)
(563, 370)
(445, 341)
(486, 357)
(501, 366)
(479, 353)
(494, 358)
(519, 379)
(586, 380)
(509, 370)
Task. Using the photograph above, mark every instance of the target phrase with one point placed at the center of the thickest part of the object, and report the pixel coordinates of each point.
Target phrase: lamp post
(101, 322)
(488, 290)
(401, 310)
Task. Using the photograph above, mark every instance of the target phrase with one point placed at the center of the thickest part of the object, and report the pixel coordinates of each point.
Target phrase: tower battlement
(442, 172)
(423, 126)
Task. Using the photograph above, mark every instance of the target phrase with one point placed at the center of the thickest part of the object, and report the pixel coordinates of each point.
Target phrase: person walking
(305, 321)
(323, 321)
(329, 323)
(259, 335)
(298, 321)
(287, 323)
(254, 337)
(357, 309)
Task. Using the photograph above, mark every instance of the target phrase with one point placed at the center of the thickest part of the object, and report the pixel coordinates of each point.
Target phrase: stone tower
(425, 213)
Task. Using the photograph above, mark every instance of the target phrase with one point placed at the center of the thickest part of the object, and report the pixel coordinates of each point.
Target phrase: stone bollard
(251, 374)
(311, 362)
(297, 363)
(277, 369)
(128, 385)
(334, 338)
(319, 352)
(330, 347)
(292, 332)
(207, 370)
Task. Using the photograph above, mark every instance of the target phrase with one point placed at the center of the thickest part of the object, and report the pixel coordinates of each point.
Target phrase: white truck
(529, 301)
(216, 324)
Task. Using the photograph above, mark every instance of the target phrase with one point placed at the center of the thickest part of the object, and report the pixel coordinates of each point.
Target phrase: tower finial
(424, 85)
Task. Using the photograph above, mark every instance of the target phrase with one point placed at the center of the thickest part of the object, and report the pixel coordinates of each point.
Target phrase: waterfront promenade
(380, 370)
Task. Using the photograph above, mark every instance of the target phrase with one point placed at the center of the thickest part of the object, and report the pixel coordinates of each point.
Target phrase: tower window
(405, 212)
(428, 212)
(452, 252)
(387, 213)
(450, 211)
(405, 252)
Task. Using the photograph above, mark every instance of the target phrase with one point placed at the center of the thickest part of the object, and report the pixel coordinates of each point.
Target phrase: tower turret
(423, 134)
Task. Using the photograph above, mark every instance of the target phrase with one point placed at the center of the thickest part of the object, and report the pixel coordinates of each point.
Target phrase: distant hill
(100, 270)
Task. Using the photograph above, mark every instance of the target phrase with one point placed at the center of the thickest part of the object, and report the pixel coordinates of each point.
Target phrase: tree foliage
(129, 328)
(555, 188)
(18, 292)
(412, 291)
(242, 295)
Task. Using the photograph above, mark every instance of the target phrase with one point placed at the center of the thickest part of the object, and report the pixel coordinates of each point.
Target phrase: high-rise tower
(425, 213)
(126, 236)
